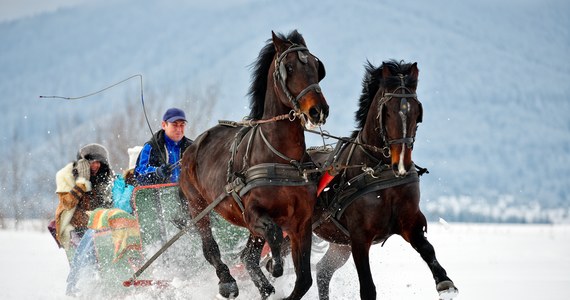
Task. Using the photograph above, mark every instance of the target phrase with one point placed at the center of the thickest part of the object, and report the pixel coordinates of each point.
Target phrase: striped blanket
(124, 228)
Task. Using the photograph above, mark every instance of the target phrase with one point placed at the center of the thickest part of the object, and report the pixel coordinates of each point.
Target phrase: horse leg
(360, 255)
(274, 236)
(419, 242)
(301, 254)
(250, 257)
(285, 250)
(335, 257)
(227, 286)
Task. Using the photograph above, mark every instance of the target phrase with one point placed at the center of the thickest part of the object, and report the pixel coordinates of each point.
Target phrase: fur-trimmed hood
(65, 180)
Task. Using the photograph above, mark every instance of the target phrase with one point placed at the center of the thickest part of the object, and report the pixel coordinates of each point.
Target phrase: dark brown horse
(376, 193)
(253, 172)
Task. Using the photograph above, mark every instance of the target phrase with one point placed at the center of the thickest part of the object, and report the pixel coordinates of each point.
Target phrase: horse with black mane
(376, 191)
(254, 173)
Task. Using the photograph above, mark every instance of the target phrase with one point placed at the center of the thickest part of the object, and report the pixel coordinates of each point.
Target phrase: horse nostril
(314, 113)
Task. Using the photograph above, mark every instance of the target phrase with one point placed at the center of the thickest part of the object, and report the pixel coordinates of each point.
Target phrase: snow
(486, 261)
(495, 134)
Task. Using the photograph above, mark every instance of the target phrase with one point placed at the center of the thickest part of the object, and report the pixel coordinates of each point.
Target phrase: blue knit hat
(174, 114)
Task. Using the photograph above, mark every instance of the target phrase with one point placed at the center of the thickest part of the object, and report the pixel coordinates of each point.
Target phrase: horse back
(206, 161)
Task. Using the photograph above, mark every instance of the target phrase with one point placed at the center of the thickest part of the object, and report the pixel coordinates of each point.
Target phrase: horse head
(396, 111)
(296, 76)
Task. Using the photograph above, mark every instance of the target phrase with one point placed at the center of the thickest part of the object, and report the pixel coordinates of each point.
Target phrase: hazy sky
(14, 9)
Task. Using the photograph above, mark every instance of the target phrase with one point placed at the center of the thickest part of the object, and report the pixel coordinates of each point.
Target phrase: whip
(107, 88)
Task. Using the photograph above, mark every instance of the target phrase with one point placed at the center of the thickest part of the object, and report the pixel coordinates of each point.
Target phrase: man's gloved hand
(164, 171)
(83, 169)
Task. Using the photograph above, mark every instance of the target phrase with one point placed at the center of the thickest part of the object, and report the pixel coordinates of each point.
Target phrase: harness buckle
(292, 115)
(386, 152)
(235, 186)
(369, 171)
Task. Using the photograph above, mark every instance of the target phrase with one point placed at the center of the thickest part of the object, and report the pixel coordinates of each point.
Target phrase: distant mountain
(493, 82)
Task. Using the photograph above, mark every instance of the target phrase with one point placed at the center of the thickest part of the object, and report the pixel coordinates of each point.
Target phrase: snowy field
(485, 261)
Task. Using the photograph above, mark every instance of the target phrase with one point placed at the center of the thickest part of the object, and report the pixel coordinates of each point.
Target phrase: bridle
(404, 110)
(280, 77)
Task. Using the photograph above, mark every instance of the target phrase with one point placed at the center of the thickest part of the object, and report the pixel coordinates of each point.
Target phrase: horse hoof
(220, 297)
(276, 270)
(447, 290)
(228, 290)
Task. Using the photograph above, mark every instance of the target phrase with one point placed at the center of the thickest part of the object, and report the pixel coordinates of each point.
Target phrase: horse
(375, 190)
(254, 173)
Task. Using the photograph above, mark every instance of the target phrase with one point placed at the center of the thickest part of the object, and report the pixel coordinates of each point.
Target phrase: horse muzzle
(315, 110)
(401, 158)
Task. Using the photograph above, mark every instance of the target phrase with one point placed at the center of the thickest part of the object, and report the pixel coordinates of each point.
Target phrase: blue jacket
(156, 152)
(122, 193)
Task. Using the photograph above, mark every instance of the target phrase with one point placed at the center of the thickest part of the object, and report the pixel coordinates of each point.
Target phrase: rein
(346, 140)
(404, 108)
(291, 116)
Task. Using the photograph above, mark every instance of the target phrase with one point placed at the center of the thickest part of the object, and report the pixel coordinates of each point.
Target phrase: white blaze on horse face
(404, 108)
(401, 167)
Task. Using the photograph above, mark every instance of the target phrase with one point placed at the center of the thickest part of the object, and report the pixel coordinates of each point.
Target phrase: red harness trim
(325, 180)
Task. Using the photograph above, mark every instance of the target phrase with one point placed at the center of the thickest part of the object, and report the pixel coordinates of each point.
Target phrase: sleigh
(158, 215)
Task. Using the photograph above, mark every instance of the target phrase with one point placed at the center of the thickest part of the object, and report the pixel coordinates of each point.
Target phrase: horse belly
(289, 206)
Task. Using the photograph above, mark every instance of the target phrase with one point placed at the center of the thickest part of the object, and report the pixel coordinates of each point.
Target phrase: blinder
(282, 71)
(322, 72)
(302, 57)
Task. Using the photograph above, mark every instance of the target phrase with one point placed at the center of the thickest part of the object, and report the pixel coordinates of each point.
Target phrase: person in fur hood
(81, 186)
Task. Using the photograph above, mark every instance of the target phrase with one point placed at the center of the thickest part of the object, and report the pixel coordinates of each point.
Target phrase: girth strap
(364, 185)
(270, 174)
(267, 174)
(377, 184)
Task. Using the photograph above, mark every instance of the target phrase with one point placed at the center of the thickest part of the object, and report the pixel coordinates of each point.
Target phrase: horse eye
(289, 68)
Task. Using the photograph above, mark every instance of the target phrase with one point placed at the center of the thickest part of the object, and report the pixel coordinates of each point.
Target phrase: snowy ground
(485, 261)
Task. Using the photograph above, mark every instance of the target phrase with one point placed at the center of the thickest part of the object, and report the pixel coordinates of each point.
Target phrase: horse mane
(373, 82)
(260, 68)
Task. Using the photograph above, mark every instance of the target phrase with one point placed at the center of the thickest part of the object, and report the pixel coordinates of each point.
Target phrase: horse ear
(278, 43)
(385, 71)
(414, 72)
(296, 33)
